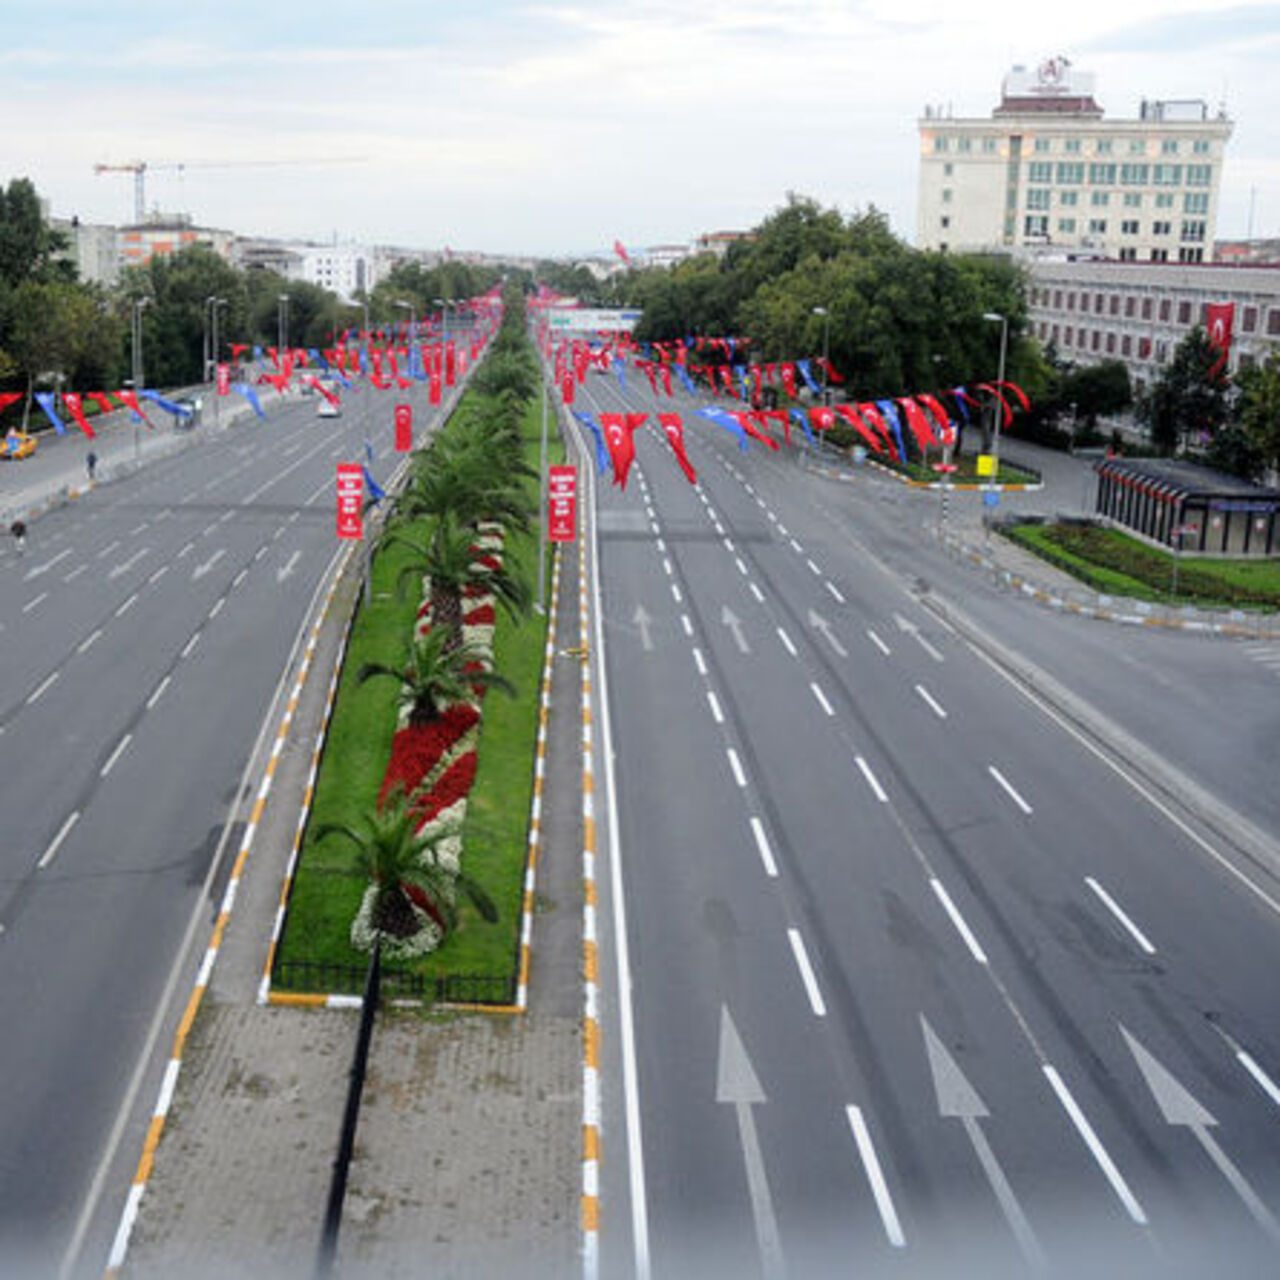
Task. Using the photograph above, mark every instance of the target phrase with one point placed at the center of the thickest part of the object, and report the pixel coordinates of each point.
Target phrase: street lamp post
(826, 352)
(211, 370)
(138, 380)
(1003, 321)
(542, 506)
(282, 322)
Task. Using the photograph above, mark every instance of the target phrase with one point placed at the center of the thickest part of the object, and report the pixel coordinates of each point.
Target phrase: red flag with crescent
(1219, 318)
(620, 442)
(76, 409)
(674, 428)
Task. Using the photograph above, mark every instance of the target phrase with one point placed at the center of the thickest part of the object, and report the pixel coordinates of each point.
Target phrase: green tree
(1258, 408)
(1187, 403)
(29, 248)
(1096, 391)
(406, 870)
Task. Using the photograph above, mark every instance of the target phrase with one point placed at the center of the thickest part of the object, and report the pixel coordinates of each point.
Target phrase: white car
(326, 408)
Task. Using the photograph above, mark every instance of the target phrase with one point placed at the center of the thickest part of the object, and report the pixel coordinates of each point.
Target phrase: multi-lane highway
(145, 632)
(923, 979)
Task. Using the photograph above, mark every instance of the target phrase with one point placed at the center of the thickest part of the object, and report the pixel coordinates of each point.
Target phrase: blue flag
(620, 368)
(316, 355)
(683, 374)
(252, 397)
(257, 352)
(376, 491)
(368, 450)
(602, 454)
(959, 394)
(807, 374)
(45, 400)
(726, 420)
(169, 406)
(890, 411)
(801, 420)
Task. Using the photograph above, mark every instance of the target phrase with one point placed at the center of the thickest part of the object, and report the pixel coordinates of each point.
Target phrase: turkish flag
(620, 441)
(674, 428)
(72, 401)
(1219, 318)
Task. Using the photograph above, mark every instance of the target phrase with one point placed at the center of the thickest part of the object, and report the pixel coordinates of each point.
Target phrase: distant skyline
(556, 128)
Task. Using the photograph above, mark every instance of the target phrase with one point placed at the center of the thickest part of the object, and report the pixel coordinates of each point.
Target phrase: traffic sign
(562, 504)
(945, 467)
(990, 498)
(350, 494)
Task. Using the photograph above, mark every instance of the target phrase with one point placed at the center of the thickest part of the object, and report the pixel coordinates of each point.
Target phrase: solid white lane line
(699, 661)
(48, 855)
(1114, 907)
(1096, 1149)
(127, 605)
(158, 693)
(813, 568)
(872, 781)
(930, 702)
(786, 640)
(830, 586)
(115, 755)
(1013, 795)
(875, 1176)
(89, 641)
(714, 703)
(1264, 1081)
(762, 844)
(879, 644)
(31, 604)
(738, 776)
(191, 644)
(42, 688)
(755, 591)
(822, 699)
(816, 1002)
(686, 624)
(958, 920)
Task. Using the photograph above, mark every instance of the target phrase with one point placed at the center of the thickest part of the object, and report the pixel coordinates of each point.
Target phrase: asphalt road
(145, 631)
(921, 983)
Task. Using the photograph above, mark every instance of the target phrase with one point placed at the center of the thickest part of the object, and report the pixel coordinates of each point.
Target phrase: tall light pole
(282, 322)
(214, 348)
(407, 306)
(826, 350)
(996, 318)
(138, 382)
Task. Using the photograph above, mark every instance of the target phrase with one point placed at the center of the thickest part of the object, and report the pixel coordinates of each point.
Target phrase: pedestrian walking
(19, 531)
(91, 464)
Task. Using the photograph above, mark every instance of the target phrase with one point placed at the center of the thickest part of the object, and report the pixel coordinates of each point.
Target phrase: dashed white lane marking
(127, 605)
(879, 644)
(666, 566)
(158, 693)
(786, 640)
(1264, 1082)
(699, 661)
(728, 544)
(240, 577)
(872, 781)
(1096, 1149)
(42, 688)
(736, 765)
(63, 831)
(875, 1176)
(931, 702)
(927, 647)
(714, 703)
(686, 624)
(813, 568)
(31, 604)
(742, 568)
(217, 607)
(962, 927)
(1114, 907)
(108, 549)
(675, 593)
(816, 1003)
(822, 699)
(191, 644)
(795, 546)
(1009, 790)
(831, 586)
(115, 755)
(755, 591)
(762, 844)
(159, 573)
(89, 641)
(75, 573)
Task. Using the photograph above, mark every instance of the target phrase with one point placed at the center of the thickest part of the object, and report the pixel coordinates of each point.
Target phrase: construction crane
(140, 168)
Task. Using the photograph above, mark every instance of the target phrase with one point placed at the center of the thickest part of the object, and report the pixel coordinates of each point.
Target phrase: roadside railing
(317, 976)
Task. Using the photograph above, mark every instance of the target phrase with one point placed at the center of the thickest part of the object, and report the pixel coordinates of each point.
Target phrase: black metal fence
(397, 984)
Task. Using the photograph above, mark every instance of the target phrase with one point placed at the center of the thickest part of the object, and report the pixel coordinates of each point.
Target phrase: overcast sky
(554, 128)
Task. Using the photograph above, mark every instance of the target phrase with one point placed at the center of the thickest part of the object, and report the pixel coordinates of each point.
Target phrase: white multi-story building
(347, 270)
(1049, 169)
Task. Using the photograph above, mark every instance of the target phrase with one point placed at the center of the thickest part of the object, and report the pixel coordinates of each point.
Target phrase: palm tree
(438, 674)
(406, 871)
(452, 564)
(472, 479)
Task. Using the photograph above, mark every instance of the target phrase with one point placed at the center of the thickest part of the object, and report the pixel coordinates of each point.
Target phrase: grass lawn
(1113, 562)
(327, 888)
(966, 472)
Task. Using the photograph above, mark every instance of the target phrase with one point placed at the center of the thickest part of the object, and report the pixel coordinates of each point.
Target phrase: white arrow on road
(738, 1086)
(820, 624)
(642, 620)
(908, 627)
(201, 569)
(44, 568)
(125, 565)
(1179, 1108)
(959, 1100)
(286, 570)
(734, 623)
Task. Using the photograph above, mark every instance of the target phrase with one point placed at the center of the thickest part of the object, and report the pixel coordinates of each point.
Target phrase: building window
(1200, 146)
(1067, 226)
(1053, 334)
(1195, 202)
(1126, 344)
(1273, 322)
(1146, 302)
(1038, 198)
(1100, 199)
(1169, 147)
(1068, 334)
(1071, 301)
(1161, 228)
(964, 144)
(1166, 310)
(1040, 171)
(1130, 306)
(1193, 232)
(1249, 320)
(1102, 175)
(1103, 146)
(1070, 173)
(1036, 224)
(1084, 302)
(946, 195)
(946, 222)
(1114, 308)
(989, 145)
(1057, 299)
(1164, 199)
(1111, 344)
(1072, 146)
(1129, 227)
(1133, 199)
(1184, 312)
(941, 144)
(1134, 175)
(1042, 145)
(1095, 339)
(1137, 146)
(1186, 254)
(1097, 226)
(1166, 175)
(1162, 350)
(948, 169)
(1068, 198)
(1199, 175)
(1099, 303)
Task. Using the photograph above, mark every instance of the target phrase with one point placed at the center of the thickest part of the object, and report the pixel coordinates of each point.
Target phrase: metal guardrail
(347, 979)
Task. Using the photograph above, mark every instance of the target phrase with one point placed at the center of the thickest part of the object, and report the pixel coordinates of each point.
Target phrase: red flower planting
(456, 782)
(418, 748)
(481, 616)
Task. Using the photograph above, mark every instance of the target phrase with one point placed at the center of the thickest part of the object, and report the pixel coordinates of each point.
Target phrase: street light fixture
(826, 349)
(996, 318)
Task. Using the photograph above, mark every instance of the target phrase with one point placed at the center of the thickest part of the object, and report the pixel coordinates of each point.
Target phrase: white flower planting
(423, 942)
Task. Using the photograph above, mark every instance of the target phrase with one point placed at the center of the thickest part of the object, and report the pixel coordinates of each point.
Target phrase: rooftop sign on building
(1053, 85)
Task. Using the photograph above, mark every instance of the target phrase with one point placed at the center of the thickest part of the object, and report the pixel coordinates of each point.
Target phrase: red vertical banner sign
(350, 493)
(450, 358)
(404, 428)
(562, 504)
(224, 379)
